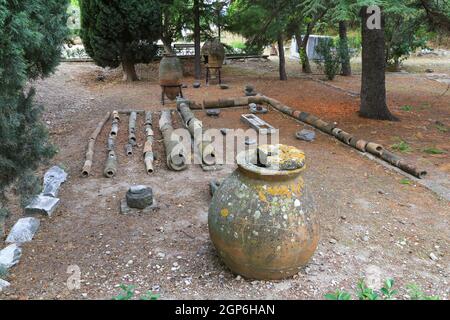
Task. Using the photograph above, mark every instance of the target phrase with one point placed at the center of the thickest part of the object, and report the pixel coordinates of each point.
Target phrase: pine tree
(118, 32)
(31, 37)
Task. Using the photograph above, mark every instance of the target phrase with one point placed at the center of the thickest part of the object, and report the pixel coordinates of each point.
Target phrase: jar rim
(248, 161)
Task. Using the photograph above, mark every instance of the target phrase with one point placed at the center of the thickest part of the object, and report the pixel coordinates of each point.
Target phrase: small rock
(10, 256)
(433, 257)
(23, 230)
(213, 112)
(196, 85)
(161, 255)
(306, 135)
(365, 238)
(42, 205)
(429, 70)
(333, 241)
(257, 109)
(224, 86)
(4, 284)
(238, 278)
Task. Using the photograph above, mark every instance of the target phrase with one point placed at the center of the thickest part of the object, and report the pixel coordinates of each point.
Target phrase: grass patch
(406, 182)
(402, 146)
(433, 150)
(387, 292)
(441, 128)
(129, 292)
(406, 108)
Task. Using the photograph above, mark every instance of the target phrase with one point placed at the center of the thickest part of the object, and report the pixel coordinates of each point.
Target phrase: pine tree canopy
(114, 31)
(31, 36)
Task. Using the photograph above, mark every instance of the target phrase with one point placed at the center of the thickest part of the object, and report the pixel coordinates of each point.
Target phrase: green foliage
(128, 293)
(406, 108)
(31, 37)
(387, 292)
(338, 295)
(433, 150)
(416, 293)
(114, 31)
(441, 128)
(402, 146)
(366, 293)
(406, 182)
(331, 58)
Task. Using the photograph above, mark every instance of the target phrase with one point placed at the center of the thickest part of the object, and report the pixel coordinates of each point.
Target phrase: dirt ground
(370, 222)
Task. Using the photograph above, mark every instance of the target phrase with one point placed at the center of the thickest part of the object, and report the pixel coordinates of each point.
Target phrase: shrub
(331, 59)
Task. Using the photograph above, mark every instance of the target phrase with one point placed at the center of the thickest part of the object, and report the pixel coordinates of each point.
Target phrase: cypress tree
(118, 32)
(31, 36)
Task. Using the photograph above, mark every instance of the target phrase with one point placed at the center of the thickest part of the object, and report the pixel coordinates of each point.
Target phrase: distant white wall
(310, 49)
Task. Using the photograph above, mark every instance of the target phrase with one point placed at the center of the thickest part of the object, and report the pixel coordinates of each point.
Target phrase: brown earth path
(370, 223)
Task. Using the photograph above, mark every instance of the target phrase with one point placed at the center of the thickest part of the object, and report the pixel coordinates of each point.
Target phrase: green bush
(331, 58)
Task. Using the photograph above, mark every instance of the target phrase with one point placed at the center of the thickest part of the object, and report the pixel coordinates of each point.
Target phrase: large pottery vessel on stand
(213, 52)
(171, 75)
(261, 219)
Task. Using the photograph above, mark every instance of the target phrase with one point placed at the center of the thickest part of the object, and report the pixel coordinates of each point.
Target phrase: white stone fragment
(10, 256)
(42, 205)
(23, 230)
(3, 285)
(53, 179)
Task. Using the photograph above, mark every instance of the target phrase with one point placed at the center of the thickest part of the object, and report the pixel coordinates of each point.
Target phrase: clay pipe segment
(111, 165)
(87, 167)
(132, 129)
(375, 149)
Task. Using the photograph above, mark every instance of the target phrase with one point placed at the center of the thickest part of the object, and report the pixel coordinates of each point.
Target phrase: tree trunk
(346, 67)
(129, 70)
(282, 66)
(306, 66)
(373, 86)
(197, 63)
(167, 45)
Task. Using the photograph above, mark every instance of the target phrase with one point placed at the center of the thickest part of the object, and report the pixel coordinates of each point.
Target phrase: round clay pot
(214, 53)
(262, 220)
(171, 75)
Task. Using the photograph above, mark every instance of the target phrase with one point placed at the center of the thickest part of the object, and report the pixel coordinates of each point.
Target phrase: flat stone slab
(23, 231)
(4, 284)
(126, 210)
(53, 179)
(42, 205)
(306, 135)
(10, 256)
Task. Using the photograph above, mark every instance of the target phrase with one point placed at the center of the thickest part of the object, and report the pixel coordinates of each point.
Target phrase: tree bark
(129, 70)
(197, 63)
(373, 86)
(281, 56)
(303, 45)
(346, 67)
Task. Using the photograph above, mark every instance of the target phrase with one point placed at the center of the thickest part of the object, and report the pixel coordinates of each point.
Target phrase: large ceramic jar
(261, 219)
(213, 52)
(171, 75)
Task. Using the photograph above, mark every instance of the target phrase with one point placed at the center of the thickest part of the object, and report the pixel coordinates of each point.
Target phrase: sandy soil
(370, 222)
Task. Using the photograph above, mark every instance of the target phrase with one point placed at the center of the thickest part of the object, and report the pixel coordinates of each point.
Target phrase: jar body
(171, 75)
(263, 227)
